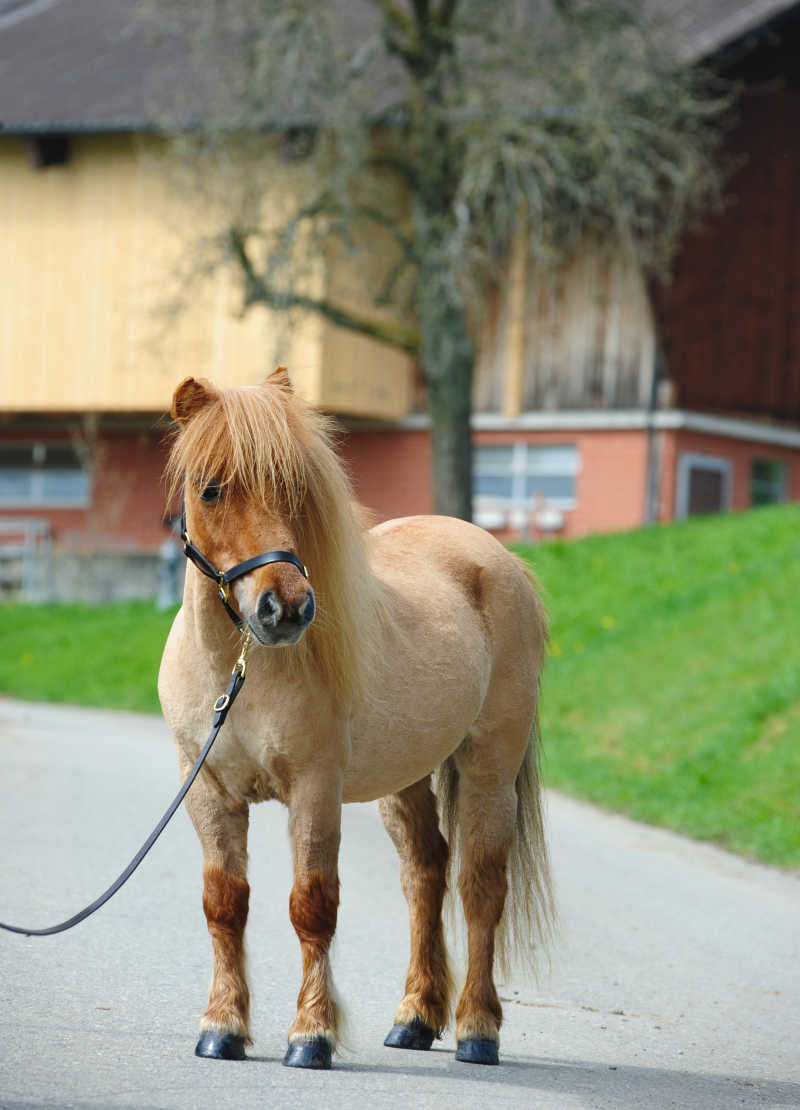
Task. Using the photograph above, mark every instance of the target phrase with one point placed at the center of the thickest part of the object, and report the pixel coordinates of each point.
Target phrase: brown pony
(415, 653)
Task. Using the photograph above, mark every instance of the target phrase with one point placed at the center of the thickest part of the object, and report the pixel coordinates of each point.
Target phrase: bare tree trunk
(447, 358)
(446, 348)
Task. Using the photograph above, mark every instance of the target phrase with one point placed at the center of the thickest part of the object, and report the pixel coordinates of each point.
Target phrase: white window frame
(514, 511)
(37, 498)
(687, 460)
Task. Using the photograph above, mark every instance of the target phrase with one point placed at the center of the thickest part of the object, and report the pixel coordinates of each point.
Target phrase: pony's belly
(426, 698)
(407, 765)
(390, 751)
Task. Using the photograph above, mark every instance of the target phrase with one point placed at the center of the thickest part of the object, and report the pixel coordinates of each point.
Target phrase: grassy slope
(673, 688)
(672, 692)
(105, 656)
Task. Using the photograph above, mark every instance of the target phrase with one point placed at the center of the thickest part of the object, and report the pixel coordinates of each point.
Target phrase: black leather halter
(224, 578)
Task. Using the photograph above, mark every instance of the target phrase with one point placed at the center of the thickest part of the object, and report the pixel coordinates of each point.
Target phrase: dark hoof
(220, 1046)
(414, 1035)
(308, 1054)
(477, 1050)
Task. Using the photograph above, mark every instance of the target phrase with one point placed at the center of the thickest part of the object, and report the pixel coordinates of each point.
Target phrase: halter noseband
(223, 579)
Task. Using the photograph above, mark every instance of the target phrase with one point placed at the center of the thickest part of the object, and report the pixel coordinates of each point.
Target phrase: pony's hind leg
(486, 819)
(222, 829)
(411, 821)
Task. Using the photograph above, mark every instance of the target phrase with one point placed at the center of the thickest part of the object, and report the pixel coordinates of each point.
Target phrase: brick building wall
(126, 496)
(739, 453)
(129, 502)
(391, 473)
(390, 470)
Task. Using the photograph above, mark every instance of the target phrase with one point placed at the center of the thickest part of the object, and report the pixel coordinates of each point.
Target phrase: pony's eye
(211, 493)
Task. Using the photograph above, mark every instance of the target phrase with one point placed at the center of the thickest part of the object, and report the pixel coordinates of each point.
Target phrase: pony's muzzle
(278, 620)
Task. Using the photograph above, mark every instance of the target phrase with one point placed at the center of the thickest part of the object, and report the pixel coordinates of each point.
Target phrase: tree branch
(396, 18)
(399, 336)
(447, 9)
(421, 11)
(384, 297)
(400, 33)
(326, 204)
(379, 217)
(257, 291)
(403, 169)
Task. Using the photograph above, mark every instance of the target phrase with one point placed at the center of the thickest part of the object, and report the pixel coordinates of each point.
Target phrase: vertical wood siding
(88, 260)
(731, 316)
(588, 338)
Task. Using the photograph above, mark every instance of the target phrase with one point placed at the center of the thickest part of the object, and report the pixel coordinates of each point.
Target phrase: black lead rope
(221, 707)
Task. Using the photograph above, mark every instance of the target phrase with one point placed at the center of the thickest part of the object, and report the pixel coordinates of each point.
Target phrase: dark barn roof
(709, 25)
(85, 65)
(93, 65)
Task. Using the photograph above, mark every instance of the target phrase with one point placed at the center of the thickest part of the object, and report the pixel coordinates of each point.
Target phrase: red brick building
(705, 464)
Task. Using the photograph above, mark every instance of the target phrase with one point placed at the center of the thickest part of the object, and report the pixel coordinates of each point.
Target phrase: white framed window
(39, 475)
(703, 485)
(769, 481)
(512, 481)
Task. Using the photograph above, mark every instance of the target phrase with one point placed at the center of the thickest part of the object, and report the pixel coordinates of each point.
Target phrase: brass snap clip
(241, 663)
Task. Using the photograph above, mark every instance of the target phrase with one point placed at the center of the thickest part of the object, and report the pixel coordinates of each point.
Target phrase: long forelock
(249, 442)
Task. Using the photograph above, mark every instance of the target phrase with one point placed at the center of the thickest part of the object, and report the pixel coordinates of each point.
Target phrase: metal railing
(24, 544)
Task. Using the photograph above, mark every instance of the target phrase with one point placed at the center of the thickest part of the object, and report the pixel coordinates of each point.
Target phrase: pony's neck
(207, 623)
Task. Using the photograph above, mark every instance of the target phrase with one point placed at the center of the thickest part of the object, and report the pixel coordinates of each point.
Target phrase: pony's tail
(528, 918)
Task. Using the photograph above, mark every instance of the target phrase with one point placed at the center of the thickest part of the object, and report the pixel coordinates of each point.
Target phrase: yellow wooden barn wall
(87, 263)
(370, 377)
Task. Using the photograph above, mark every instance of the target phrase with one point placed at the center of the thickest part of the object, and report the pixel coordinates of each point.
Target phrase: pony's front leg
(222, 829)
(315, 809)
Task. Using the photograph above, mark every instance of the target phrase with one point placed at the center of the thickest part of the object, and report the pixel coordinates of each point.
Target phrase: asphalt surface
(674, 981)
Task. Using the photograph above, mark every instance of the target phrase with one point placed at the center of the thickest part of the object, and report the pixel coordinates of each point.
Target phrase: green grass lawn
(671, 693)
(102, 655)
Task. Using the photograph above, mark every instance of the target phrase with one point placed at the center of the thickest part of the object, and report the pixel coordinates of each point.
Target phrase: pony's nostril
(308, 609)
(269, 609)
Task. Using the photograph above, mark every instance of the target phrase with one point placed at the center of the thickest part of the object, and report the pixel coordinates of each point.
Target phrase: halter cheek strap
(224, 578)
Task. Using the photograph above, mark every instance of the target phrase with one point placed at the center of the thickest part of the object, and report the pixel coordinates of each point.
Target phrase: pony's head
(240, 485)
(259, 474)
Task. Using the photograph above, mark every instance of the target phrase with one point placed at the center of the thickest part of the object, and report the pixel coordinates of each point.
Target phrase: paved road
(675, 981)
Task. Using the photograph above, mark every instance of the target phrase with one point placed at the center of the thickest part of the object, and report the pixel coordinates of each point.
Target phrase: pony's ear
(189, 398)
(280, 377)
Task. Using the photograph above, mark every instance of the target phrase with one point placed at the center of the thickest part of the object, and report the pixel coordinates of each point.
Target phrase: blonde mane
(263, 442)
